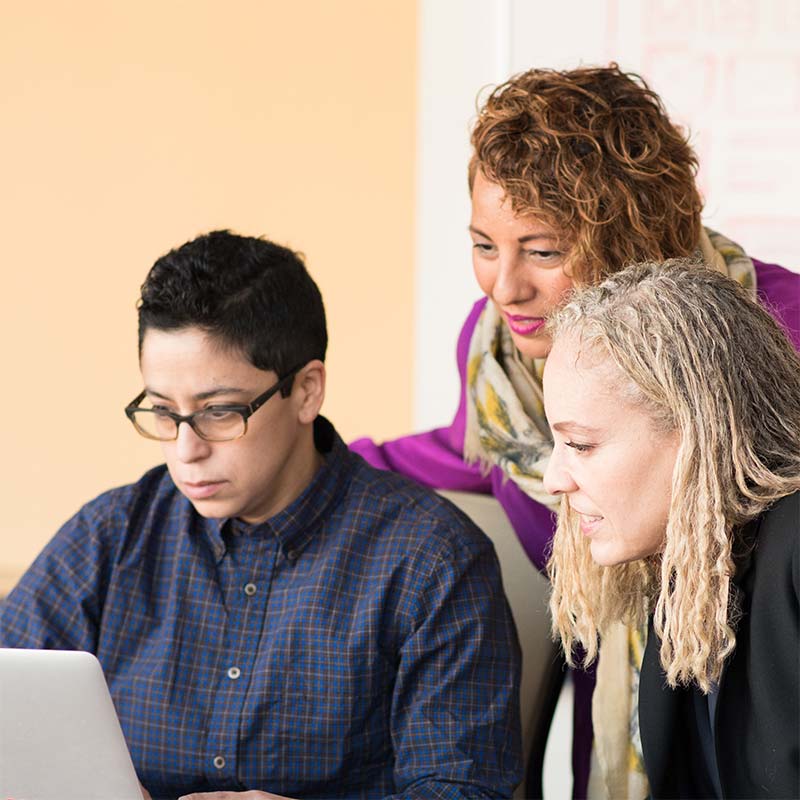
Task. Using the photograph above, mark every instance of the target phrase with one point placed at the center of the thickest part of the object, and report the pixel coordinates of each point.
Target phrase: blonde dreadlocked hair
(701, 357)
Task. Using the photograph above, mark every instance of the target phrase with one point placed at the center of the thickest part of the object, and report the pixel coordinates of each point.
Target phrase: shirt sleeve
(436, 459)
(58, 602)
(455, 711)
(779, 292)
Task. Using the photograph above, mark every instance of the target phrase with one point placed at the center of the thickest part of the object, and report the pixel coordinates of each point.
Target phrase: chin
(532, 347)
(604, 555)
(607, 557)
(602, 559)
(212, 510)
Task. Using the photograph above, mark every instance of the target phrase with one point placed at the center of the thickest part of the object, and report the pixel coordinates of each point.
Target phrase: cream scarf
(506, 427)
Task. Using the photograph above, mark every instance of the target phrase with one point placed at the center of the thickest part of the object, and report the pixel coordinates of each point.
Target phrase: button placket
(246, 575)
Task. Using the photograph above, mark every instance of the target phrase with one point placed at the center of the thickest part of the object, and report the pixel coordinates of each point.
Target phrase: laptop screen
(60, 737)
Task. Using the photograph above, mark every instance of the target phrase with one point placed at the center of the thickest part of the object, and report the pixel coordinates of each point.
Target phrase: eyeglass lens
(213, 425)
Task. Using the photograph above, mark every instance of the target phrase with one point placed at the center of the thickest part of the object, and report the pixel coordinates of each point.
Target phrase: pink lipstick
(524, 326)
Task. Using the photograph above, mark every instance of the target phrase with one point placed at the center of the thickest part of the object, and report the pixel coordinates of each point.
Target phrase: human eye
(546, 256)
(483, 248)
(218, 413)
(161, 411)
(579, 447)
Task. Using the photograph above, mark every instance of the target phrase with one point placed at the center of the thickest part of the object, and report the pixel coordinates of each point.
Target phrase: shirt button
(234, 673)
(219, 762)
(249, 589)
(291, 556)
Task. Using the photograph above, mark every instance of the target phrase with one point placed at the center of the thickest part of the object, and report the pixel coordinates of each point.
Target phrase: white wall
(729, 70)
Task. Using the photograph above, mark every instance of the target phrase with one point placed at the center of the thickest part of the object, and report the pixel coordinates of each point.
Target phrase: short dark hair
(249, 293)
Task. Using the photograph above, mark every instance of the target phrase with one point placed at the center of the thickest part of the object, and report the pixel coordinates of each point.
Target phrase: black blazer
(757, 721)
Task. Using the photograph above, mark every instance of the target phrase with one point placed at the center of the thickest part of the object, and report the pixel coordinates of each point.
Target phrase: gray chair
(543, 668)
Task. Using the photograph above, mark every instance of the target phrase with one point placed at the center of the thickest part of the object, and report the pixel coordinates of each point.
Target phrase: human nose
(557, 478)
(189, 446)
(509, 283)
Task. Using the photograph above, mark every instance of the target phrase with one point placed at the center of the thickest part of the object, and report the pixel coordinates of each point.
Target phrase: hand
(253, 795)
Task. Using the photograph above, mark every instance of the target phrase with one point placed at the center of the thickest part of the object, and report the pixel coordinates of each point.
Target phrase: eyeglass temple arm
(278, 387)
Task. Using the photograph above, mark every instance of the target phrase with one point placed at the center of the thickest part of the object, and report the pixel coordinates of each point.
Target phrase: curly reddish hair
(592, 153)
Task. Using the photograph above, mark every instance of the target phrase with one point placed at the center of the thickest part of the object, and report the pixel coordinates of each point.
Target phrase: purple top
(436, 458)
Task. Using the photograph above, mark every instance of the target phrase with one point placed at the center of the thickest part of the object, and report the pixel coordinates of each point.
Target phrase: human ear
(309, 391)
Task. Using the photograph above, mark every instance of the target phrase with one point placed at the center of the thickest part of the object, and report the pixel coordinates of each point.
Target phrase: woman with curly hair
(573, 175)
(674, 402)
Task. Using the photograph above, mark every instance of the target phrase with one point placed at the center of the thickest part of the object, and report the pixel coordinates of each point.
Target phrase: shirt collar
(296, 524)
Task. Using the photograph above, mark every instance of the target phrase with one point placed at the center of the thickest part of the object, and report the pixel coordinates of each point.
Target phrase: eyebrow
(575, 427)
(522, 239)
(200, 395)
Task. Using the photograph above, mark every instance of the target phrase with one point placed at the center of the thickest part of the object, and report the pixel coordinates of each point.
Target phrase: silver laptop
(60, 738)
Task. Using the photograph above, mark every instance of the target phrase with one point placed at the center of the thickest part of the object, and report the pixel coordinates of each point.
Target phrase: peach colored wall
(129, 128)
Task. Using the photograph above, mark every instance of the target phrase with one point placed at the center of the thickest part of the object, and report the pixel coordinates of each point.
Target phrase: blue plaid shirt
(356, 645)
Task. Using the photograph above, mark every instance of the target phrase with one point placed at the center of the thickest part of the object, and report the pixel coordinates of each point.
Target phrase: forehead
(192, 356)
(491, 205)
(582, 385)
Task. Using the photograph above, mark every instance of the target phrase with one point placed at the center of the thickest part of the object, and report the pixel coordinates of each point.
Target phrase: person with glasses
(272, 614)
